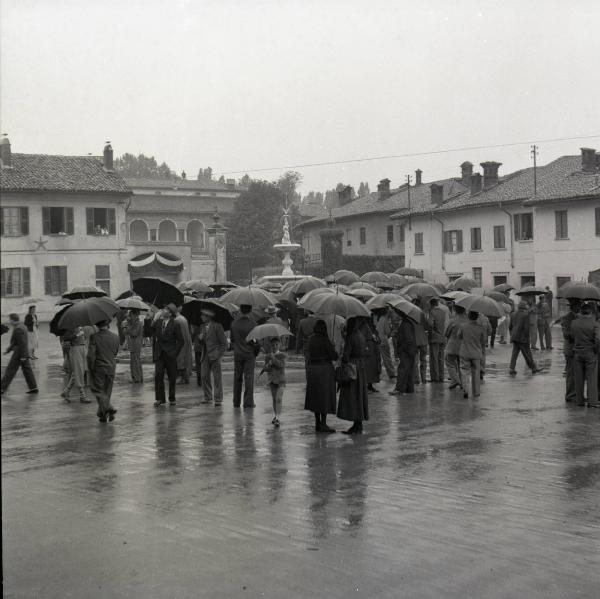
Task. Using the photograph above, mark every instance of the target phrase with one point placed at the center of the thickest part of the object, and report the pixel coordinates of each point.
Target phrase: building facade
(63, 225)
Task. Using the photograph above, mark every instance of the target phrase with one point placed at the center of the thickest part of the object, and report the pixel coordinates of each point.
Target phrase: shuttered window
(524, 226)
(452, 242)
(363, 235)
(499, 240)
(597, 222)
(475, 238)
(103, 277)
(100, 221)
(562, 224)
(14, 221)
(16, 282)
(55, 280)
(418, 243)
(57, 221)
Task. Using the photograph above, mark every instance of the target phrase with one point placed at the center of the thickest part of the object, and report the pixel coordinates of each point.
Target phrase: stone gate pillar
(331, 248)
(217, 244)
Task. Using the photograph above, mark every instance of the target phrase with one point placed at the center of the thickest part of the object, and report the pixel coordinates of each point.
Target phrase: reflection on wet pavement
(442, 497)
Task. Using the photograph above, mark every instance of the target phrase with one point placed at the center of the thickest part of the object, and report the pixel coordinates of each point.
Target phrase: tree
(288, 183)
(143, 167)
(222, 179)
(245, 180)
(253, 228)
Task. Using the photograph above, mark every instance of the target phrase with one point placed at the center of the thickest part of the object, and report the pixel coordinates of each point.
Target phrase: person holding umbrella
(213, 344)
(543, 323)
(134, 332)
(453, 346)
(275, 368)
(244, 357)
(568, 349)
(168, 342)
(19, 346)
(102, 360)
(519, 337)
(75, 342)
(585, 337)
(406, 349)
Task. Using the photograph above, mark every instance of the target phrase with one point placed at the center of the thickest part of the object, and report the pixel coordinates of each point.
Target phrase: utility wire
(409, 155)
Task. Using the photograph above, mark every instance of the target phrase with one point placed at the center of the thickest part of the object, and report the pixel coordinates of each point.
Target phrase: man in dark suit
(213, 344)
(19, 346)
(585, 336)
(244, 358)
(168, 342)
(519, 337)
(102, 362)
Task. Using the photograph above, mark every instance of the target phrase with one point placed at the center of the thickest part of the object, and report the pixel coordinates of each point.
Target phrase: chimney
(490, 173)
(345, 195)
(466, 170)
(588, 160)
(5, 153)
(108, 157)
(418, 175)
(437, 194)
(384, 189)
(475, 183)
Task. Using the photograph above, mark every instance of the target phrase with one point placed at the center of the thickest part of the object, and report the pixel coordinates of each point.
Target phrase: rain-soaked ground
(442, 497)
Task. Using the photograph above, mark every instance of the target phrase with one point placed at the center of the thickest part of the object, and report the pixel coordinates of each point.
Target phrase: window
(524, 226)
(103, 277)
(55, 280)
(15, 221)
(348, 240)
(401, 233)
(167, 231)
(478, 275)
(363, 236)
(57, 221)
(562, 303)
(418, 243)
(390, 235)
(499, 243)
(527, 280)
(500, 279)
(597, 222)
(452, 242)
(16, 282)
(562, 227)
(153, 234)
(100, 221)
(195, 235)
(475, 239)
(138, 231)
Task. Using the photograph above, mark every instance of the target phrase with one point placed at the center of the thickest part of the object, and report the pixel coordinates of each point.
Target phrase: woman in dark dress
(406, 350)
(373, 359)
(354, 396)
(320, 377)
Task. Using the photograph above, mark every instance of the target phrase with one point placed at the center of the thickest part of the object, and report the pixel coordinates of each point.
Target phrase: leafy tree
(222, 179)
(142, 166)
(288, 183)
(245, 180)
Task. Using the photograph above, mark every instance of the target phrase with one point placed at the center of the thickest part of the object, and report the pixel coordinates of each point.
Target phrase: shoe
(512, 372)
(350, 431)
(536, 371)
(111, 415)
(533, 348)
(218, 403)
(104, 417)
(274, 420)
(65, 396)
(32, 391)
(318, 428)
(590, 404)
(395, 392)
(276, 423)
(252, 405)
(85, 400)
(159, 403)
(371, 388)
(172, 402)
(205, 400)
(454, 385)
(465, 395)
(327, 429)
(549, 348)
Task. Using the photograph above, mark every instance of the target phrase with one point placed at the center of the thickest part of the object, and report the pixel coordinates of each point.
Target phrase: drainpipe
(443, 255)
(510, 232)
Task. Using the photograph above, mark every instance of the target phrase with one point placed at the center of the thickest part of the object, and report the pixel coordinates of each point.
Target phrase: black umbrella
(223, 311)
(125, 294)
(84, 292)
(158, 292)
(4, 329)
(579, 290)
(87, 312)
(54, 322)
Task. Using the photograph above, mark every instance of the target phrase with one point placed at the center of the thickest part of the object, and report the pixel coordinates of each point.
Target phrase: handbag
(345, 373)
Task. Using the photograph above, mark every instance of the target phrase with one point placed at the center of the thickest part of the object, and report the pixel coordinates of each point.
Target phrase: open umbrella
(408, 271)
(454, 295)
(302, 286)
(463, 284)
(497, 296)
(440, 287)
(249, 296)
(375, 276)
(306, 297)
(418, 290)
(398, 281)
(223, 311)
(531, 290)
(336, 303)
(482, 304)
(195, 285)
(271, 286)
(88, 311)
(401, 305)
(128, 293)
(345, 277)
(381, 301)
(54, 321)
(503, 287)
(84, 292)
(157, 291)
(412, 280)
(362, 294)
(363, 285)
(579, 290)
(267, 331)
(132, 303)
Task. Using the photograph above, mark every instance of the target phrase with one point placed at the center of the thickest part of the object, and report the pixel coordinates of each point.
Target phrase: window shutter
(89, 219)
(459, 245)
(62, 276)
(112, 225)
(48, 280)
(26, 280)
(2, 281)
(445, 242)
(69, 221)
(24, 221)
(2, 221)
(46, 220)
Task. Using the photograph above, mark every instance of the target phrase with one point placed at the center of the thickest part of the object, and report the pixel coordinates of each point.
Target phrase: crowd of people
(343, 360)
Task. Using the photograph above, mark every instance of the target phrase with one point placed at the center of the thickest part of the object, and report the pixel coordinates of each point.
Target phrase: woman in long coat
(184, 358)
(134, 332)
(320, 377)
(354, 397)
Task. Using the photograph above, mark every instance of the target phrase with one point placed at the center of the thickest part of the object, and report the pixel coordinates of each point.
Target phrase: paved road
(442, 497)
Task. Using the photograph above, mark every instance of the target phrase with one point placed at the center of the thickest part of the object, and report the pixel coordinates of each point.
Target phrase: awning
(150, 260)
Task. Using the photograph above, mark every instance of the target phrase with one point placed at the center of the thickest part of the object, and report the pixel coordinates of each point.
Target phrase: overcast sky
(245, 84)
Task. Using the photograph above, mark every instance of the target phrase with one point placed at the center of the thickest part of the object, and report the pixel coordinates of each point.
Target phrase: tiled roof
(310, 210)
(560, 179)
(189, 184)
(42, 172)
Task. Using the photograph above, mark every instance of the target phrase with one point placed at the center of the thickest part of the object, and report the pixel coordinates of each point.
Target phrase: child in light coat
(275, 369)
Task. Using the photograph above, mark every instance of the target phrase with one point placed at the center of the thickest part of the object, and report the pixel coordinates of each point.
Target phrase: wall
(79, 252)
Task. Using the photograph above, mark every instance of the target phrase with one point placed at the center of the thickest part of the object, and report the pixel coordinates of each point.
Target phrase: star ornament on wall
(41, 244)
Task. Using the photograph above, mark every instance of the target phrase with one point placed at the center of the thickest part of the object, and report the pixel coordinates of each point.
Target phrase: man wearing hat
(168, 342)
(213, 344)
(19, 346)
(244, 358)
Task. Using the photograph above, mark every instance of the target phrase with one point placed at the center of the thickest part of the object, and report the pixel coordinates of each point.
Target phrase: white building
(63, 225)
